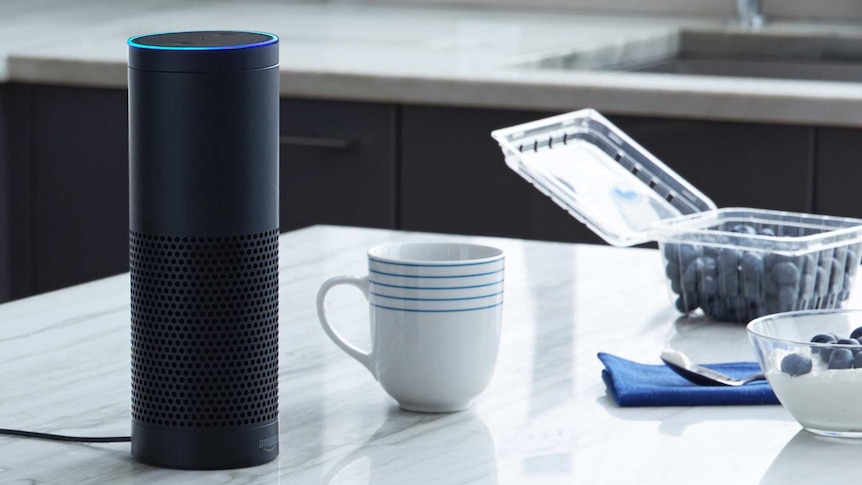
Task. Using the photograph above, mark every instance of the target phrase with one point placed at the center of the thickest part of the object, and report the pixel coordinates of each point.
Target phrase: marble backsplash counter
(427, 55)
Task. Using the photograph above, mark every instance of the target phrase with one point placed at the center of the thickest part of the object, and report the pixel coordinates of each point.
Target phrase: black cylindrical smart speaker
(203, 248)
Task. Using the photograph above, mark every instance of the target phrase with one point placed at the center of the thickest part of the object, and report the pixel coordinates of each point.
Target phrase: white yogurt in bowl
(824, 401)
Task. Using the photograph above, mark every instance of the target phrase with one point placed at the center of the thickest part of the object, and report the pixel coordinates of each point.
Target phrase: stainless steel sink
(735, 53)
(757, 68)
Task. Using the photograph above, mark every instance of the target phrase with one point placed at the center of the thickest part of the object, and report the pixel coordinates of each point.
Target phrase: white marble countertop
(426, 55)
(64, 368)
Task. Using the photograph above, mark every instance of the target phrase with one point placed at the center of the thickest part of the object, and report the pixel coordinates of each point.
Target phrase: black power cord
(59, 437)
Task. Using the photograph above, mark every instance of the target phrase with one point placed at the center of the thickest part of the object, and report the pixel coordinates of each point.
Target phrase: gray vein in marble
(66, 323)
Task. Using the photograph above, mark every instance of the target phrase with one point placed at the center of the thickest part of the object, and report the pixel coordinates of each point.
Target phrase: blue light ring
(131, 42)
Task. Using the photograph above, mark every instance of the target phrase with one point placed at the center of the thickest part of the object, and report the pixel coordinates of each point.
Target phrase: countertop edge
(506, 90)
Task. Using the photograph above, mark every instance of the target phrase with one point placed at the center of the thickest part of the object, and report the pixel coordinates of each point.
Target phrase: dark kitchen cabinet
(6, 236)
(839, 172)
(64, 178)
(453, 179)
(15, 130)
(79, 193)
(64, 174)
(337, 164)
(734, 164)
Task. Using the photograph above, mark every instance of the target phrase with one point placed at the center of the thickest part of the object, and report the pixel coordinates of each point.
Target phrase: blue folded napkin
(634, 384)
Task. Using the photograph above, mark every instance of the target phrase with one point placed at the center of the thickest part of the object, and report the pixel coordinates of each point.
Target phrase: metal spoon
(700, 375)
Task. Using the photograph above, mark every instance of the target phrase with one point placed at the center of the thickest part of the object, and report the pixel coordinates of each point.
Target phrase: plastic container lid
(598, 174)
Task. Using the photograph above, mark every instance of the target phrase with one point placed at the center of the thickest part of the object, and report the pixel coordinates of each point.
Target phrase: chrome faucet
(750, 13)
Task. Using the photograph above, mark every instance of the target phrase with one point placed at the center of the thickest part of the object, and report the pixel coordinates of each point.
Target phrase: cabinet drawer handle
(315, 142)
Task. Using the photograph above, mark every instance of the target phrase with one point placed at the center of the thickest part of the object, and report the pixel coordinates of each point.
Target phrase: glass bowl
(819, 383)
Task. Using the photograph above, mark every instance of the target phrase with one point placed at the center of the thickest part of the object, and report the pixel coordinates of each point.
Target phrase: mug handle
(364, 358)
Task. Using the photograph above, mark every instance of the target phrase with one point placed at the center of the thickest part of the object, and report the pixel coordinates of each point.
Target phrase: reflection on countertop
(439, 447)
(814, 459)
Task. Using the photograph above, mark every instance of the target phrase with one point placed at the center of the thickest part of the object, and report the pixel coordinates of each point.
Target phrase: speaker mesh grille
(204, 330)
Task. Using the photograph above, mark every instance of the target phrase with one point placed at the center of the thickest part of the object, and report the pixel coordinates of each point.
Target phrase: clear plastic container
(738, 264)
(733, 264)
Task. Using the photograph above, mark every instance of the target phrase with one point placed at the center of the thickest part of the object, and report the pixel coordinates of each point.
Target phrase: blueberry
(822, 282)
(766, 231)
(688, 253)
(709, 285)
(852, 263)
(856, 333)
(768, 261)
(728, 272)
(743, 229)
(825, 260)
(674, 274)
(772, 307)
(738, 311)
(728, 283)
(823, 338)
(671, 252)
(710, 252)
(752, 272)
(729, 259)
(786, 298)
(808, 265)
(850, 341)
(691, 275)
(703, 301)
(836, 278)
(770, 287)
(751, 288)
(710, 266)
(806, 286)
(672, 269)
(841, 359)
(857, 361)
(840, 254)
(717, 310)
(758, 310)
(752, 263)
(785, 273)
(796, 364)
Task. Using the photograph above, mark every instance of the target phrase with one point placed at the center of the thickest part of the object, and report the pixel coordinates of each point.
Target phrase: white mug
(435, 310)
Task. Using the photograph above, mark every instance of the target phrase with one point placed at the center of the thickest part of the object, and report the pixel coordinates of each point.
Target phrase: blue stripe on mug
(436, 299)
(432, 288)
(436, 311)
(414, 265)
(423, 276)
